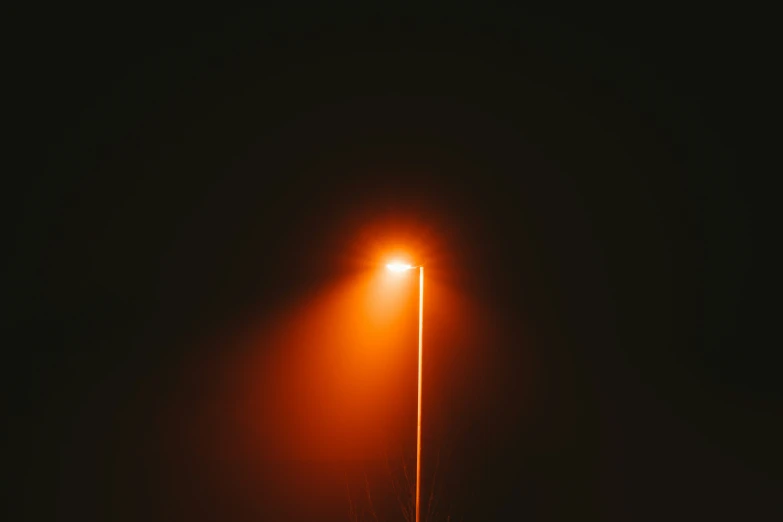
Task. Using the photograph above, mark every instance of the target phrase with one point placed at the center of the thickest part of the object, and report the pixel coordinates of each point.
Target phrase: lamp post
(400, 267)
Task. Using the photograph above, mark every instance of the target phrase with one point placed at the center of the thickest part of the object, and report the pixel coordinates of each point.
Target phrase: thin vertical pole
(418, 424)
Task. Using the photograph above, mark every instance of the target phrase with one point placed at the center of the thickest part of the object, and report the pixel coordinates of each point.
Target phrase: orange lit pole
(399, 267)
(418, 415)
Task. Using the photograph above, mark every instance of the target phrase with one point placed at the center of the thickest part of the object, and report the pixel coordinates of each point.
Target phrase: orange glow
(331, 377)
(335, 375)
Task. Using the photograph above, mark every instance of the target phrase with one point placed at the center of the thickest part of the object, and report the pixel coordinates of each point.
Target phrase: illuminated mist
(324, 391)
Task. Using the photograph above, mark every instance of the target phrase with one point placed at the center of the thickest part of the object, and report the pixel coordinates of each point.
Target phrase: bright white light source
(398, 267)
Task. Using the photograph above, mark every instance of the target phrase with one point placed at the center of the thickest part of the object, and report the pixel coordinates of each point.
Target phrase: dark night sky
(590, 181)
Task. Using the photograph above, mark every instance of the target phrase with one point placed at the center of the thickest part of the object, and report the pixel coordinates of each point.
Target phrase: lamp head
(399, 267)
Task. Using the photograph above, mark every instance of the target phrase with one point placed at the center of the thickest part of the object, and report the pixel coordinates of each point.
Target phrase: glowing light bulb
(398, 267)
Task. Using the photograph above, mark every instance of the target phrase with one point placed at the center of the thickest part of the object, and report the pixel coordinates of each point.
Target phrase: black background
(596, 176)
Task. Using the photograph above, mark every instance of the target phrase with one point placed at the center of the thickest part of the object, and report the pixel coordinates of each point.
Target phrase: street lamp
(401, 267)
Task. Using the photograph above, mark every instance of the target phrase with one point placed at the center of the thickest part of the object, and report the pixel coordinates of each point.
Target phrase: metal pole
(418, 424)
